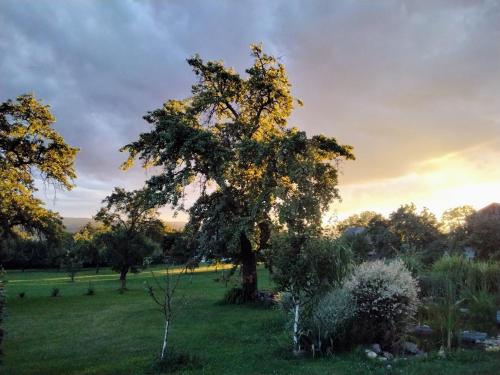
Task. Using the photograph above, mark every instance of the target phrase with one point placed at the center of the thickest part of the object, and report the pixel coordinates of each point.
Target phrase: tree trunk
(123, 278)
(164, 349)
(248, 269)
(296, 346)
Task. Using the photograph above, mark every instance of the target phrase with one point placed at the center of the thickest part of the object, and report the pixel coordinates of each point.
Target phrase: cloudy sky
(414, 86)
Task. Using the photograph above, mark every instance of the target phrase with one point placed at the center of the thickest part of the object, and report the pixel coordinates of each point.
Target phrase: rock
(411, 348)
(464, 310)
(388, 355)
(423, 330)
(473, 337)
(382, 359)
(441, 353)
(376, 348)
(371, 354)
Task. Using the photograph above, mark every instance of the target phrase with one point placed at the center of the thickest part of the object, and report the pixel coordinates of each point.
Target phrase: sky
(413, 86)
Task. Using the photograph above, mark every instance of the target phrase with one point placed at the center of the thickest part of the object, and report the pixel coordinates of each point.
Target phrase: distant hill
(74, 224)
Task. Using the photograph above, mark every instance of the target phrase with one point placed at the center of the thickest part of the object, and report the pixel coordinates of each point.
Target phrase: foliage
(444, 311)
(469, 276)
(30, 252)
(29, 147)
(361, 220)
(89, 245)
(231, 139)
(454, 225)
(454, 283)
(179, 247)
(2, 316)
(90, 289)
(482, 306)
(360, 244)
(483, 228)
(125, 252)
(72, 263)
(306, 268)
(313, 265)
(234, 296)
(225, 346)
(55, 292)
(455, 219)
(386, 300)
(332, 317)
(165, 299)
(176, 361)
(132, 220)
(417, 232)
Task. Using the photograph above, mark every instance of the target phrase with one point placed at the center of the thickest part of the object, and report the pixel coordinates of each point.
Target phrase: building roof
(491, 209)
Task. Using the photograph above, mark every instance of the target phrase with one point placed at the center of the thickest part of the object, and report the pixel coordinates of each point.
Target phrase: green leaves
(28, 146)
(230, 138)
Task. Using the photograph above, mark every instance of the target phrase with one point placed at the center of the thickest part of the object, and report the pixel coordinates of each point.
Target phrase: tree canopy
(231, 138)
(30, 148)
(130, 218)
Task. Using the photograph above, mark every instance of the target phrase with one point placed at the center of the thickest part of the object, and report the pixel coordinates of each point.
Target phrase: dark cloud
(401, 81)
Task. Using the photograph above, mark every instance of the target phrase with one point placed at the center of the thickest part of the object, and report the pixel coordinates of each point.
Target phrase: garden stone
(423, 330)
(441, 353)
(388, 355)
(371, 354)
(376, 348)
(382, 359)
(411, 348)
(473, 337)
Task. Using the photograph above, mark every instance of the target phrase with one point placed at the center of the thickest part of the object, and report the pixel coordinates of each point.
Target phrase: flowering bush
(386, 299)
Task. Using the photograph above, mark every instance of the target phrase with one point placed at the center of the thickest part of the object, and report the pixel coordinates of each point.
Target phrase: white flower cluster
(384, 289)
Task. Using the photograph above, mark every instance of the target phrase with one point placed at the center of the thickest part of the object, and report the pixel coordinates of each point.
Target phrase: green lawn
(112, 333)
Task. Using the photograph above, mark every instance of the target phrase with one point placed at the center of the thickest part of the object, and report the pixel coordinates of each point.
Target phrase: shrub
(55, 292)
(332, 316)
(444, 310)
(482, 308)
(386, 300)
(22, 294)
(90, 290)
(468, 276)
(234, 296)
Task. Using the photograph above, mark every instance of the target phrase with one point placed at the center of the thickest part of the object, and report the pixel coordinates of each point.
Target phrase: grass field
(112, 333)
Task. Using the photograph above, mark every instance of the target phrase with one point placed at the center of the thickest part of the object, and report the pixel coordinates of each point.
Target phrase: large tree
(483, 231)
(131, 219)
(231, 138)
(30, 148)
(417, 231)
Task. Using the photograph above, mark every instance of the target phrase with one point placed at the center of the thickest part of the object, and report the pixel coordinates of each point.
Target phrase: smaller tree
(130, 217)
(165, 298)
(483, 228)
(454, 225)
(72, 264)
(417, 231)
(89, 245)
(305, 268)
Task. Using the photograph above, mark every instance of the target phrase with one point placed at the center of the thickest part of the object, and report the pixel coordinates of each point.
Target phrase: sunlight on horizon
(468, 177)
